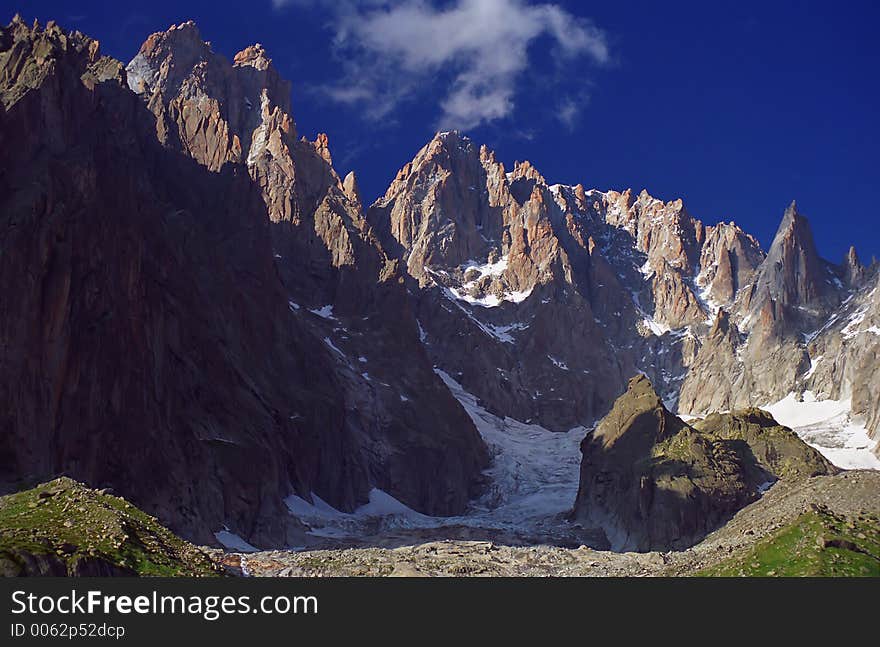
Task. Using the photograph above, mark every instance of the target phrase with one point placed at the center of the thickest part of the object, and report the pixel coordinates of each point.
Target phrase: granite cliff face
(540, 299)
(157, 345)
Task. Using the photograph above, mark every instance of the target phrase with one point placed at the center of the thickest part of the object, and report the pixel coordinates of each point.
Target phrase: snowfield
(535, 472)
(829, 426)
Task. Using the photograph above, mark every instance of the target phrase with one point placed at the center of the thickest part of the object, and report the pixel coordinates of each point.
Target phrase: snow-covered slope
(829, 426)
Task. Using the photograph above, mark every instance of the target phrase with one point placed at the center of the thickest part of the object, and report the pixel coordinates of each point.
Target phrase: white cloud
(477, 50)
(569, 109)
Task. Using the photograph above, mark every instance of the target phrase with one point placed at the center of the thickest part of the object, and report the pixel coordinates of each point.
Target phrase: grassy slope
(65, 520)
(818, 543)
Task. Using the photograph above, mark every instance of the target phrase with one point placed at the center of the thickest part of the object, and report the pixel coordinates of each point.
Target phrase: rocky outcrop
(778, 450)
(157, 345)
(652, 482)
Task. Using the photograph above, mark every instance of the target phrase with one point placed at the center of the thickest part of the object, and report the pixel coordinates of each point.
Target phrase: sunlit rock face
(541, 298)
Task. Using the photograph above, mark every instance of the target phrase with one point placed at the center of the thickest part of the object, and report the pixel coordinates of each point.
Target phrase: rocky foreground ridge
(63, 528)
(201, 290)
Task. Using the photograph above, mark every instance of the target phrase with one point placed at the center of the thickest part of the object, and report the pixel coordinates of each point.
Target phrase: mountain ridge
(183, 234)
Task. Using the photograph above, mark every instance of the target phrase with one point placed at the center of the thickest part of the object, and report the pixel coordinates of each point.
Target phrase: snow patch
(326, 521)
(333, 346)
(655, 327)
(829, 426)
(482, 271)
(851, 328)
(558, 363)
(501, 333)
(814, 362)
(325, 312)
(231, 541)
(490, 300)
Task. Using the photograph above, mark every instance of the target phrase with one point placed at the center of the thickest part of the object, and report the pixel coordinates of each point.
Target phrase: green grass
(817, 544)
(64, 520)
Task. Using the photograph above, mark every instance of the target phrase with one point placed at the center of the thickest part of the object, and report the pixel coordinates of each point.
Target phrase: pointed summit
(798, 272)
(451, 143)
(181, 43)
(793, 278)
(438, 209)
(853, 271)
(794, 229)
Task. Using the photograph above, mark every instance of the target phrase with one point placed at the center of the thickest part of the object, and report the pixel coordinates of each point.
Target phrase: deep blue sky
(735, 107)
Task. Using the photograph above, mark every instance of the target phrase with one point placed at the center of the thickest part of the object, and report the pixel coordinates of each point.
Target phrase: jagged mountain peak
(449, 142)
(32, 54)
(793, 283)
(253, 56)
(645, 197)
(216, 111)
(525, 169)
(450, 136)
(793, 223)
(444, 151)
(183, 42)
(179, 57)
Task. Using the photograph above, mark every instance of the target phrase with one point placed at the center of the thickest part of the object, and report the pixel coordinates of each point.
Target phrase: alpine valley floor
(825, 526)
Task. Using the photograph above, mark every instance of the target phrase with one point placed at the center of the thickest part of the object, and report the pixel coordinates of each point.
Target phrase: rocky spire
(792, 276)
(351, 188)
(853, 271)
